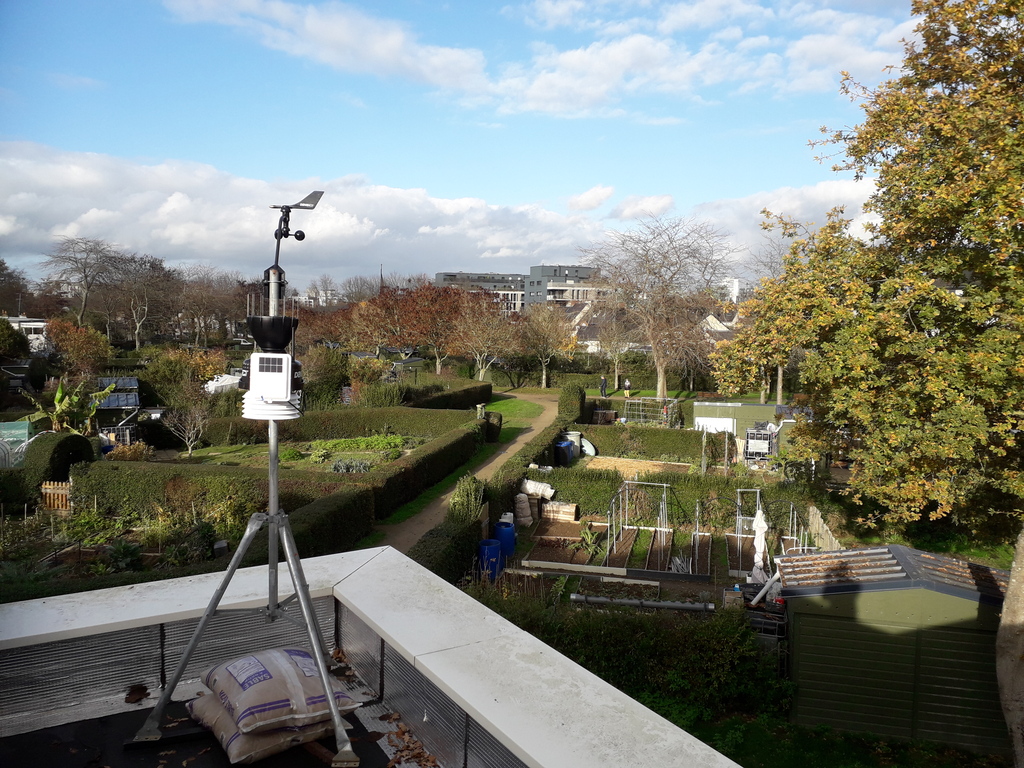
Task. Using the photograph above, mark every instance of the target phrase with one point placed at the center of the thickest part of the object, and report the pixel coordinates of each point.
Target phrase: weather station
(273, 385)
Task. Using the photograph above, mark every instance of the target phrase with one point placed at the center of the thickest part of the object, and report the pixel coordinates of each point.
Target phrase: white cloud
(637, 49)
(635, 207)
(191, 213)
(741, 218)
(343, 37)
(591, 199)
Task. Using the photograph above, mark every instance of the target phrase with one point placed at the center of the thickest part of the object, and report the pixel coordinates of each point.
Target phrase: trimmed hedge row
(447, 549)
(332, 523)
(636, 442)
(572, 403)
(454, 399)
(504, 484)
(346, 422)
(130, 487)
(403, 480)
(48, 457)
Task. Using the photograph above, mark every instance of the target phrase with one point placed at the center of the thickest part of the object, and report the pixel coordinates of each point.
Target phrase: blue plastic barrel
(506, 534)
(491, 559)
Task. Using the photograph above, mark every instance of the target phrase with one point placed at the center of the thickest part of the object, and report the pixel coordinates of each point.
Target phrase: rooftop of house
(474, 688)
(890, 567)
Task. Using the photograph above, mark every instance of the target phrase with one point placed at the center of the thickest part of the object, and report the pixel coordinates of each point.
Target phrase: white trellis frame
(653, 411)
(618, 516)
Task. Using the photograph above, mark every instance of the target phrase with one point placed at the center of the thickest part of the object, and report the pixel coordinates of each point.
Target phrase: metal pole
(345, 756)
(150, 730)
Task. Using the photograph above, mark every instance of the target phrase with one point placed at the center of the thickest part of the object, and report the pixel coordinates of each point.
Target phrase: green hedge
(655, 443)
(403, 480)
(494, 422)
(454, 399)
(504, 484)
(332, 523)
(347, 422)
(49, 457)
(448, 549)
(571, 402)
(125, 488)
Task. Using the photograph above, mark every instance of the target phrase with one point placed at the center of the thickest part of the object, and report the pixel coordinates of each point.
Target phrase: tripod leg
(345, 757)
(150, 730)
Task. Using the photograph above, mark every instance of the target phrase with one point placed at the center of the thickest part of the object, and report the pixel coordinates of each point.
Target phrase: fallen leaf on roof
(136, 693)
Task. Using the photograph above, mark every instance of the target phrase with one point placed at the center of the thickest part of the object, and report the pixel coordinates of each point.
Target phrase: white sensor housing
(270, 376)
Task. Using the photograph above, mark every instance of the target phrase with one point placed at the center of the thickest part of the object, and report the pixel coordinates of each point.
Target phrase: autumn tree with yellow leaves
(915, 334)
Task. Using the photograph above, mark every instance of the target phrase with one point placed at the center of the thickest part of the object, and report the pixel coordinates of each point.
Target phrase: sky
(447, 136)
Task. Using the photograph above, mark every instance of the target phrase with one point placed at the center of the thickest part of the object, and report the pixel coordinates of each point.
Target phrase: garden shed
(898, 642)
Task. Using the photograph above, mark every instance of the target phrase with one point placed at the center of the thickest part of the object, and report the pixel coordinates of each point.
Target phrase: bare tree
(80, 264)
(547, 330)
(615, 334)
(190, 416)
(482, 329)
(13, 289)
(664, 273)
(358, 288)
(324, 291)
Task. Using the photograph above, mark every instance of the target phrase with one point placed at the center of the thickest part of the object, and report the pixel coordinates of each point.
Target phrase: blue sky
(447, 136)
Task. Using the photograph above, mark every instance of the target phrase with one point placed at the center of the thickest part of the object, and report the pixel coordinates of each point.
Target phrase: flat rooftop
(472, 687)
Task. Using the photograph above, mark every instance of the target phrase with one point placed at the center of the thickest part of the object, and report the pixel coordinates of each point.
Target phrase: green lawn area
(514, 410)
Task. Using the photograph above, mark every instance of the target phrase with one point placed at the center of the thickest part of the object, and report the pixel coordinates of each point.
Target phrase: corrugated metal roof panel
(120, 400)
(119, 382)
(892, 567)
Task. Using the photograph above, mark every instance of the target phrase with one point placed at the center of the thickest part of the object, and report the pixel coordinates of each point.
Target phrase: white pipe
(764, 590)
(575, 597)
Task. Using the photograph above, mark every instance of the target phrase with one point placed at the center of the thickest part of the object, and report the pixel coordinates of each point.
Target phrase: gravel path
(403, 535)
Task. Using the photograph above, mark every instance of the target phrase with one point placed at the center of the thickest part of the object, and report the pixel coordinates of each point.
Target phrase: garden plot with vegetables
(346, 455)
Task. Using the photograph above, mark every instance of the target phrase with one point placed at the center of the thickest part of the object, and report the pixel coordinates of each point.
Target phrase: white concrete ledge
(108, 610)
(546, 709)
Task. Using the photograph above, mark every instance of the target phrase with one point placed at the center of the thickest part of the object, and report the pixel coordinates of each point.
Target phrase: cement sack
(522, 505)
(250, 747)
(534, 508)
(534, 488)
(274, 689)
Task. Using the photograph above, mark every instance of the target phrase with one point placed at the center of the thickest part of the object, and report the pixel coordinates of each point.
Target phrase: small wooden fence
(56, 496)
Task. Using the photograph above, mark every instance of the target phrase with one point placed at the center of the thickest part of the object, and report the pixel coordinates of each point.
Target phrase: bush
(403, 480)
(654, 443)
(332, 523)
(455, 399)
(447, 550)
(331, 425)
(49, 457)
(137, 451)
(698, 667)
(571, 402)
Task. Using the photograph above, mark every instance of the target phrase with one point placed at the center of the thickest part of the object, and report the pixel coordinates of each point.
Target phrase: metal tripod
(279, 531)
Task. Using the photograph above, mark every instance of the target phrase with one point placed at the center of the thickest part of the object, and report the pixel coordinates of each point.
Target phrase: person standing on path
(604, 386)
(626, 386)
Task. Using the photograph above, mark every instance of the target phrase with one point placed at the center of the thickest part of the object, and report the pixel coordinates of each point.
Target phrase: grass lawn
(515, 410)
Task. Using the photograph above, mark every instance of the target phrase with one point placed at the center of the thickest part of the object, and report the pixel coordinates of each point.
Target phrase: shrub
(403, 480)
(571, 402)
(49, 457)
(332, 425)
(137, 451)
(456, 399)
(351, 466)
(290, 454)
(464, 502)
(333, 523)
(447, 550)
